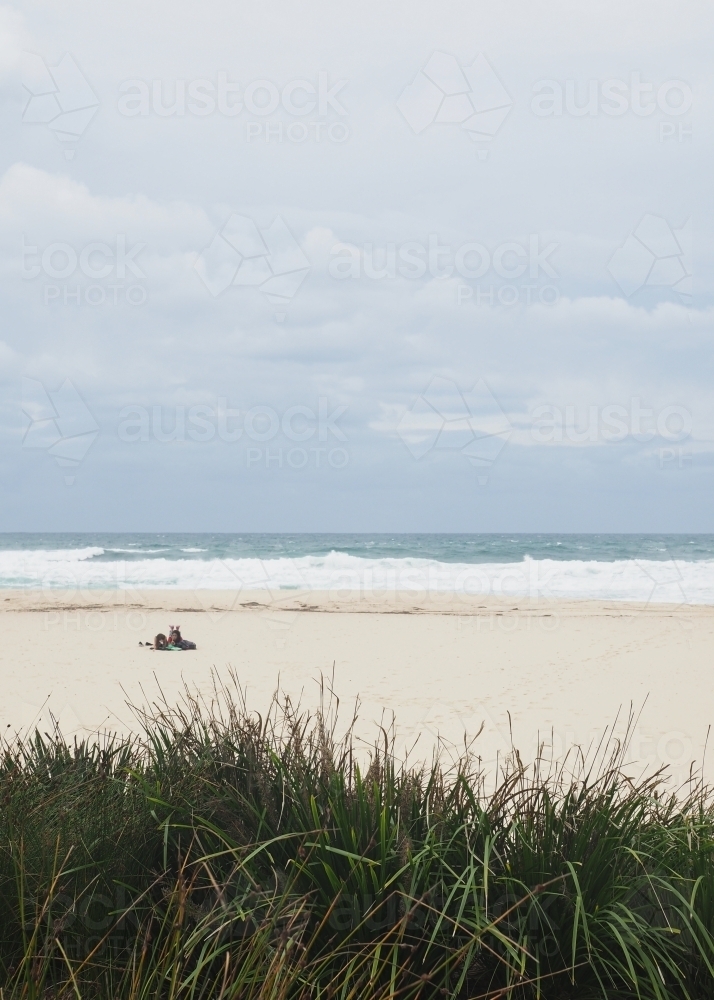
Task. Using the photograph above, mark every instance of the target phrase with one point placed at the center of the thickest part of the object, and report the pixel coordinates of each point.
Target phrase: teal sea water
(665, 568)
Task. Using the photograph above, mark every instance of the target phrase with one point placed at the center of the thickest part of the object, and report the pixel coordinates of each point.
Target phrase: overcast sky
(362, 267)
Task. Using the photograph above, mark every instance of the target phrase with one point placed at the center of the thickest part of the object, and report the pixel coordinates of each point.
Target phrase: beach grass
(220, 854)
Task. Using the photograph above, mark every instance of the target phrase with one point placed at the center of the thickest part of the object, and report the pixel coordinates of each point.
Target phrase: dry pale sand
(443, 665)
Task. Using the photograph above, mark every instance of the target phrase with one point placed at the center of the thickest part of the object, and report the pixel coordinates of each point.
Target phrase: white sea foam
(337, 572)
(148, 552)
(40, 557)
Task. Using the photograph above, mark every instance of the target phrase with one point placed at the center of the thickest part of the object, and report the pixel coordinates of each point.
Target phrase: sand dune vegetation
(218, 854)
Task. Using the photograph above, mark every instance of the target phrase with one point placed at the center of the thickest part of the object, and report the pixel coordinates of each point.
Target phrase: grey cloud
(133, 323)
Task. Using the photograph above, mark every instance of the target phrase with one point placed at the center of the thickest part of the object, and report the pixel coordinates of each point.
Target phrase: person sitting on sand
(175, 640)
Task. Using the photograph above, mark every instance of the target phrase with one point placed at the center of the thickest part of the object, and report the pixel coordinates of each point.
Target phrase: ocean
(658, 568)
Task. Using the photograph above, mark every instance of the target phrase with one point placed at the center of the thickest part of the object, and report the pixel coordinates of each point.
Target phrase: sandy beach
(444, 665)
